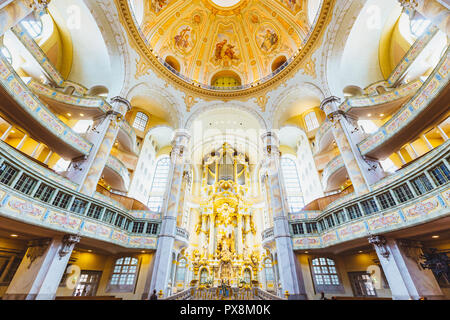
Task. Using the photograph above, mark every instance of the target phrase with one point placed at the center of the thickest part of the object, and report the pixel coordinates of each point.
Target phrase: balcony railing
(267, 234)
(358, 216)
(51, 201)
(183, 233)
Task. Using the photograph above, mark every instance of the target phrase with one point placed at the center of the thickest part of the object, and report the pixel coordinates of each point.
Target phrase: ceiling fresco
(204, 39)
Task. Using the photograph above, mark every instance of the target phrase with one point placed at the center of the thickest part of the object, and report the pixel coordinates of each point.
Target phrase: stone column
(362, 172)
(436, 12)
(400, 262)
(87, 172)
(181, 207)
(212, 228)
(41, 269)
(163, 256)
(290, 273)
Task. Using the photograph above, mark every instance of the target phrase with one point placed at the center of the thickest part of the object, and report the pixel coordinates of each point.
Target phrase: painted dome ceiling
(225, 43)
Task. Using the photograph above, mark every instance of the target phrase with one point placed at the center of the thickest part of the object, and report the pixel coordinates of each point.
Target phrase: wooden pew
(88, 298)
(360, 298)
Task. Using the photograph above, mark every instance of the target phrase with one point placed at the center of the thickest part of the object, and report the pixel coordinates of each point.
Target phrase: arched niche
(226, 78)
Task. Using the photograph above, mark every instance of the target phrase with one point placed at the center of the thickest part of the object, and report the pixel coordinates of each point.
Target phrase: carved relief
(36, 248)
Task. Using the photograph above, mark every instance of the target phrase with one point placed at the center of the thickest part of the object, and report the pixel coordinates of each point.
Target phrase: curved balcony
(62, 103)
(37, 53)
(385, 103)
(268, 240)
(21, 107)
(116, 174)
(334, 174)
(413, 52)
(27, 206)
(181, 238)
(423, 109)
(127, 137)
(324, 137)
(430, 208)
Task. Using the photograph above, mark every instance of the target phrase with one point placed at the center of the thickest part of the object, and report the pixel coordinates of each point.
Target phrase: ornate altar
(226, 227)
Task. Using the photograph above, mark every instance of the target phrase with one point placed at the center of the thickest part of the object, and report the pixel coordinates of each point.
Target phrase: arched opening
(226, 78)
(247, 276)
(101, 91)
(171, 61)
(351, 91)
(204, 274)
(278, 62)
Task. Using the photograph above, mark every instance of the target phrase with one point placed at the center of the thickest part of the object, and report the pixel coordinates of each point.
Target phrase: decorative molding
(139, 44)
(380, 242)
(36, 248)
(67, 244)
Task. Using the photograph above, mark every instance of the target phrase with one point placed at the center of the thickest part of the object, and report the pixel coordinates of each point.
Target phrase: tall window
(268, 270)
(418, 26)
(325, 275)
(88, 283)
(181, 270)
(311, 121)
(155, 201)
(124, 275)
(292, 184)
(33, 27)
(140, 121)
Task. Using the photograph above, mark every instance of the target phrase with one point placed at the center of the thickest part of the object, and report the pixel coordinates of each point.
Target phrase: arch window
(33, 27)
(204, 276)
(181, 270)
(268, 268)
(247, 276)
(140, 121)
(292, 184)
(159, 184)
(124, 274)
(311, 121)
(418, 26)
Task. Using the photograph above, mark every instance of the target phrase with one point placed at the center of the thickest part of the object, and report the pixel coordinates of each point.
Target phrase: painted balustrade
(351, 219)
(51, 201)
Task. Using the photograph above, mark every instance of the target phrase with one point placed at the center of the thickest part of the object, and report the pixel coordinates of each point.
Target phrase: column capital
(36, 248)
(67, 244)
(330, 105)
(380, 242)
(409, 4)
(121, 105)
(39, 5)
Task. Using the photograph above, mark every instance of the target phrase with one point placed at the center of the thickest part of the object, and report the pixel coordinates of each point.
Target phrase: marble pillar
(41, 269)
(363, 172)
(400, 260)
(166, 238)
(289, 270)
(86, 172)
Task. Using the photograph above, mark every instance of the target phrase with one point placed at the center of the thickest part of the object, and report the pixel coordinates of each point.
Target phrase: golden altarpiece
(228, 250)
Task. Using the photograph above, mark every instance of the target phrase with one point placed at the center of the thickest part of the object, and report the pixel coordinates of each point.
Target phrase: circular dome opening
(225, 3)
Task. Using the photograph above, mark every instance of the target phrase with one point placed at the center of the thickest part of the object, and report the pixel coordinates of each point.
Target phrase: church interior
(224, 149)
